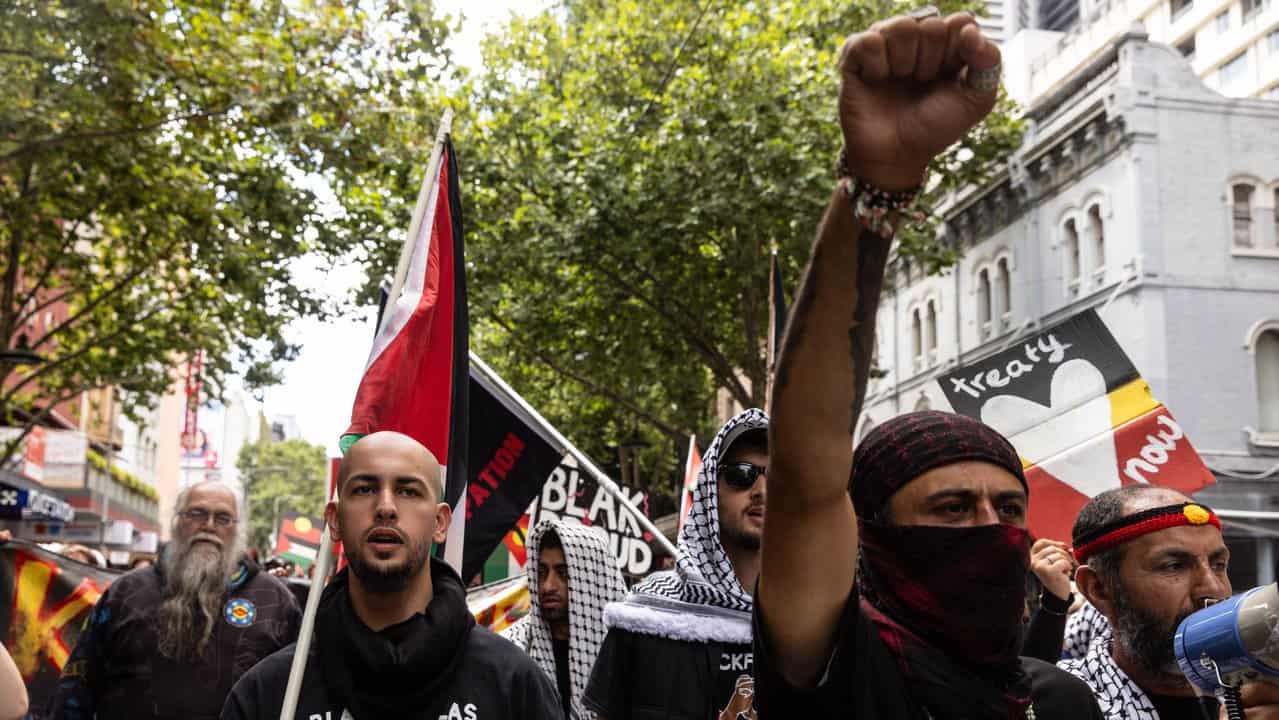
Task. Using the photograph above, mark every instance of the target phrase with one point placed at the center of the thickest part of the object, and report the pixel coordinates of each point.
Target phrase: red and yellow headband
(1145, 522)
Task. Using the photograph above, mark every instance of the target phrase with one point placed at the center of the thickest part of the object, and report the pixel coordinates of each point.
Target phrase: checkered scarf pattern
(910, 445)
(704, 575)
(593, 582)
(1085, 628)
(1118, 696)
(701, 600)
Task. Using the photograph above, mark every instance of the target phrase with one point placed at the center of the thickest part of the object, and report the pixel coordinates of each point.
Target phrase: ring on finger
(984, 80)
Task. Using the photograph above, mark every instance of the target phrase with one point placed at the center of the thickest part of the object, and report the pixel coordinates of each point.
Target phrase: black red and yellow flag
(44, 600)
(1080, 415)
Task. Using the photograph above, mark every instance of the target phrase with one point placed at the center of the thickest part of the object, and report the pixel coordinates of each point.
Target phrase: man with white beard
(169, 641)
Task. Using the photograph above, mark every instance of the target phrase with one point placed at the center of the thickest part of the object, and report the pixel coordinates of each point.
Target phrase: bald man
(171, 639)
(393, 636)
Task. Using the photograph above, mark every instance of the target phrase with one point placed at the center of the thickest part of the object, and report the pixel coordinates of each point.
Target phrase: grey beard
(1147, 640)
(195, 584)
(390, 580)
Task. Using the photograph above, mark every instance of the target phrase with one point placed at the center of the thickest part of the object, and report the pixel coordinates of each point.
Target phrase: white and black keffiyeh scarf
(1085, 628)
(701, 600)
(1118, 696)
(593, 582)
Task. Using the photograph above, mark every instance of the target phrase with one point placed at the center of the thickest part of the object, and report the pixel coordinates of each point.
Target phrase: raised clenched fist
(910, 87)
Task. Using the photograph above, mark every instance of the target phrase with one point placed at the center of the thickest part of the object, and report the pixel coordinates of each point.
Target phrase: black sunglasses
(742, 475)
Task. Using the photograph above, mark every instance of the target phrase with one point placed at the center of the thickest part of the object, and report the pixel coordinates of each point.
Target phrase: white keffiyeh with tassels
(593, 582)
(702, 599)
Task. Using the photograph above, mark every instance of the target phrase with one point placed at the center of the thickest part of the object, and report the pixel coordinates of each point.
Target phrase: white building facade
(1233, 45)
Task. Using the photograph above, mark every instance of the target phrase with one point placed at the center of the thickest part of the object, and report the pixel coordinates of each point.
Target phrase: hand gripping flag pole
(323, 561)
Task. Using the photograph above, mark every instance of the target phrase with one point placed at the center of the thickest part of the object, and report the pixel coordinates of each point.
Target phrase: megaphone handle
(1227, 693)
(1231, 701)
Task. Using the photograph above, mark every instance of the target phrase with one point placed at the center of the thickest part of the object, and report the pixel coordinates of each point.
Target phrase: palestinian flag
(298, 539)
(415, 381)
(692, 467)
(1081, 417)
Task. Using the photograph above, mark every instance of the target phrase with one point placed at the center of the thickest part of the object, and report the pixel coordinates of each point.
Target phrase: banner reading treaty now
(1081, 417)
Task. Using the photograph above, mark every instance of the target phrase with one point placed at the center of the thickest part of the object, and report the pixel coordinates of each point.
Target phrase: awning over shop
(20, 500)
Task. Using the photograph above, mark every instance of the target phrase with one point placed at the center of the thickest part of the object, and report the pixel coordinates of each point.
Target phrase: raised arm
(905, 96)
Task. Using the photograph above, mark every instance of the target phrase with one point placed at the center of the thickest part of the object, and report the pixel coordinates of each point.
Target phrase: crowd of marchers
(896, 579)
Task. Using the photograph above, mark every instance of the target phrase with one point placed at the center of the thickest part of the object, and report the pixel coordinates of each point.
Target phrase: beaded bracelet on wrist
(879, 210)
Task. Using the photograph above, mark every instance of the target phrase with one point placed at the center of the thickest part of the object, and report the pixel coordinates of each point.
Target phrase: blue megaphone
(1233, 641)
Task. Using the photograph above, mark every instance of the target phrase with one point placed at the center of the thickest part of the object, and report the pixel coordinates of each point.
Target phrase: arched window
(1097, 234)
(1070, 249)
(931, 333)
(983, 303)
(916, 338)
(1267, 355)
(1241, 207)
(1004, 284)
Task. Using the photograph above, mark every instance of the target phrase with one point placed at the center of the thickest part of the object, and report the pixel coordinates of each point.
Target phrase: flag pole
(324, 561)
(605, 482)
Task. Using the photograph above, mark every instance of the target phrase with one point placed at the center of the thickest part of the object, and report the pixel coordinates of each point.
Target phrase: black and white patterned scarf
(593, 582)
(702, 599)
(1085, 628)
(1118, 696)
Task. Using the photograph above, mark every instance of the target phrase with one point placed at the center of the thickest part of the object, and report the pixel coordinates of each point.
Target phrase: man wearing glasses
(679, 646)
(169, 640)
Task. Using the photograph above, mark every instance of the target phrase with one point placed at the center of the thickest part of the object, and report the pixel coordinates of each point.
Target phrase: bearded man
(393, 635)
(170, 640)
(1150, 557)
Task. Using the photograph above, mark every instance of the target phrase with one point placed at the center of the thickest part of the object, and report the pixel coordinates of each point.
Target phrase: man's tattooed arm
(820, 386)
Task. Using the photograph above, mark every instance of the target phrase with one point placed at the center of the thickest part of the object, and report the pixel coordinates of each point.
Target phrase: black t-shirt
(491, 680)
(644, 677)
(1184, 708)
(562, 679)
(863, 681)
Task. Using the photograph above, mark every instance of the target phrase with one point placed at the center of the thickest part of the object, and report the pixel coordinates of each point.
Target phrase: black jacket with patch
(116, 670)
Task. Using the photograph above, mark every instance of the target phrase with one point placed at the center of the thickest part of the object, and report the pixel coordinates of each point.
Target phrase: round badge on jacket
(240, 612)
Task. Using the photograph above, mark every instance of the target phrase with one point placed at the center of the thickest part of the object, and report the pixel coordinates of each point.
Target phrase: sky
(319, 386)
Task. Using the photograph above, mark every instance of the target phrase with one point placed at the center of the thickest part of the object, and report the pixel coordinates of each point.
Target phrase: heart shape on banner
(1072, 438)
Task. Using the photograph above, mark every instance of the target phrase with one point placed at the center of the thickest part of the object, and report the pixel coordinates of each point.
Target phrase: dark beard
(194, 587)
(739, 538)
(392, 579)
(1147, 639)
(555, 615)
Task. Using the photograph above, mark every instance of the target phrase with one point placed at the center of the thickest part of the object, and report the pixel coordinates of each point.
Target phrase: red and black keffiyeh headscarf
(947, 601)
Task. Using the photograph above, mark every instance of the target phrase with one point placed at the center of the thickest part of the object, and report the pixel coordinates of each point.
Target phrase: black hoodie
(436, 665)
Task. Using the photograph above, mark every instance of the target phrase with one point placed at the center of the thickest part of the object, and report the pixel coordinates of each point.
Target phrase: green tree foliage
(281, 476)
(154, 157)
(628, 167)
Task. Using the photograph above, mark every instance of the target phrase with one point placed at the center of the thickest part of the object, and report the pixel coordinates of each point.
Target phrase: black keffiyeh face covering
(947, 601)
